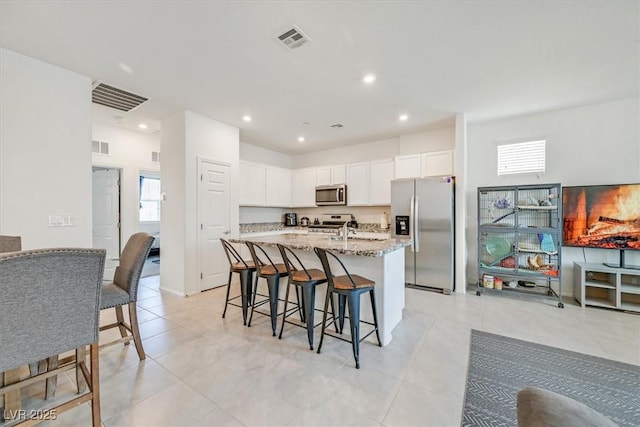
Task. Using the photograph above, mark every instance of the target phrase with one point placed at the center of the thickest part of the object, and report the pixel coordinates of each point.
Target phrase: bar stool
(245, 269)
(271, 272)
(307, 280)
(349, 287)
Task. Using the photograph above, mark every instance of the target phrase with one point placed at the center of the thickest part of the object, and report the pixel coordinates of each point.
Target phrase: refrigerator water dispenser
(402, 225)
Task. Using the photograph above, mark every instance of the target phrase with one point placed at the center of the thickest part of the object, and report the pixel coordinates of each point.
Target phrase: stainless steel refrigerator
(423, 210)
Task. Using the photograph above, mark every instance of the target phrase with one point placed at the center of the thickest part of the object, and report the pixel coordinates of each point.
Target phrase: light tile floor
(202, 370)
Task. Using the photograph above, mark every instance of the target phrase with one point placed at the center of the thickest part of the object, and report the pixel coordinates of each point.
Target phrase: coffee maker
(290, 219)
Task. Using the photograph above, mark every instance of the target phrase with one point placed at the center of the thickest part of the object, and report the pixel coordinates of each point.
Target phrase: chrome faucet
(345, 232)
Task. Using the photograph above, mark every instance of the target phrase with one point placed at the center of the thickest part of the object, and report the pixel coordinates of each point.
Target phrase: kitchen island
(379, 260)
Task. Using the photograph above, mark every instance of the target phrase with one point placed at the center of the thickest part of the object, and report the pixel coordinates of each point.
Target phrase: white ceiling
(433, 59)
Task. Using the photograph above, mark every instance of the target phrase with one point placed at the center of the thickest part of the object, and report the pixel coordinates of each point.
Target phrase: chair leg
(341, 306)
(308, 299)
(324, 317)
(301, 307)
(375, 315)
(52, 382)
(95, 385)
(120, 319)
(333, 314)
(245, 292)
(286, 302)
(253, 299)
(273, 282)
(353, 300)
(226, 301)
(81, 356)
(133, 319)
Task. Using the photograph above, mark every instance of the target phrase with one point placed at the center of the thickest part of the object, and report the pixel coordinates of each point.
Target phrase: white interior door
(214, 209)
(106, 216)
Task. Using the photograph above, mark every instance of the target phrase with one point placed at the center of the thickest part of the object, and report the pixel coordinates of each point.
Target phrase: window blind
(521, 157)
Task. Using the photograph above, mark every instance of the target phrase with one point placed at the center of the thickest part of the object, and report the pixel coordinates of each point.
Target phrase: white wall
(255, 154)
(187, 137)
(130, 151)
(45, 152)
(597, 144)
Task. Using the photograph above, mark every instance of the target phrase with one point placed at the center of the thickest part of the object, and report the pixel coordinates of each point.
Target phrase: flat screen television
(602, 216)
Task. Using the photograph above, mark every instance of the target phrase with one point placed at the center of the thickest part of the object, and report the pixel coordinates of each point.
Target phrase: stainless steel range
(333, 221)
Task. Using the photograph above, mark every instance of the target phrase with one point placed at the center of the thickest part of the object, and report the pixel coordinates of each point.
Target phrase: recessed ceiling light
(143, 126)
(246, 118)
(301, 139)
(369, 78)
(403, 118)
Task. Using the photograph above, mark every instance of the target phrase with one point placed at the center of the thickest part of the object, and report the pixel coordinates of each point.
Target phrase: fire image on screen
(602, 216)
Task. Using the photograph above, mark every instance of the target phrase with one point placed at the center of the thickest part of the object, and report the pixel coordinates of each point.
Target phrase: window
(521, 157)
(150, 199)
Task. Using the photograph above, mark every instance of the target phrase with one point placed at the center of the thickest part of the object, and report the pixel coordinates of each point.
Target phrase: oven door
(331, 195)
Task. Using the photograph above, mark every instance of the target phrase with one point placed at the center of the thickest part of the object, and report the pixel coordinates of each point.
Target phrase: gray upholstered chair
(49, 304)
(124, 290)
(538, 407)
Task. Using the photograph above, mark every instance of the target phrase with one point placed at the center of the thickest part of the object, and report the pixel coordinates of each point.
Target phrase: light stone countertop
(354, 246)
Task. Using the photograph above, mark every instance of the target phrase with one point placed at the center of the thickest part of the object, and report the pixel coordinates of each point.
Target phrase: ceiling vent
(113, 97)
(293, 38)
(337, 125)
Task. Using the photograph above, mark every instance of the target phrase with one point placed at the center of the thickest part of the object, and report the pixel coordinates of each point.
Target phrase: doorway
(214, 212)
(106, 216)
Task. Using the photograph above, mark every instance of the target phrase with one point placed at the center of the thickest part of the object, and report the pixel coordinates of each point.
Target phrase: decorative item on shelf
(488, 281)
(508, 262)
(497, 283)
(502, 203)
(546, 243)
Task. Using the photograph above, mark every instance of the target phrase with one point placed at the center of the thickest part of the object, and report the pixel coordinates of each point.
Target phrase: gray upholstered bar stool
(349, 287)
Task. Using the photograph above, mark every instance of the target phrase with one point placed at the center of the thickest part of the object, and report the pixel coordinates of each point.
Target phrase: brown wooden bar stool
(349, 287)
(245, 269)
(307, 280)
(271, 272)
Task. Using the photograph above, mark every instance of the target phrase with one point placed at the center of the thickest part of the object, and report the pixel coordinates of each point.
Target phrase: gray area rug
(499, 367)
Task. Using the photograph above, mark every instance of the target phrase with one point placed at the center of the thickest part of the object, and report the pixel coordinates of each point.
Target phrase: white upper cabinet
(407, 166)
(328, 175)
(358, 184)
(438, 163)
(338, 174)
(304, 187)
(278, 183)
(380, 176)
(252, 184)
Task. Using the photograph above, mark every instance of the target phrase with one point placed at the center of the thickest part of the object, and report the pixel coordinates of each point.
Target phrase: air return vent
(155, 156)
(337, 125)
(100, 147)
(293, 38)
(113, 97)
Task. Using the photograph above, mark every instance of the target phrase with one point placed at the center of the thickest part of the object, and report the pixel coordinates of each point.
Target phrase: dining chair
(307, 279)
(124, 291)
(244, 269)
(49, 305)
(348, 287)
(271, 272)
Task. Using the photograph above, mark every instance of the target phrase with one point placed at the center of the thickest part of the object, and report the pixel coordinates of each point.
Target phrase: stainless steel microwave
(331, 195)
